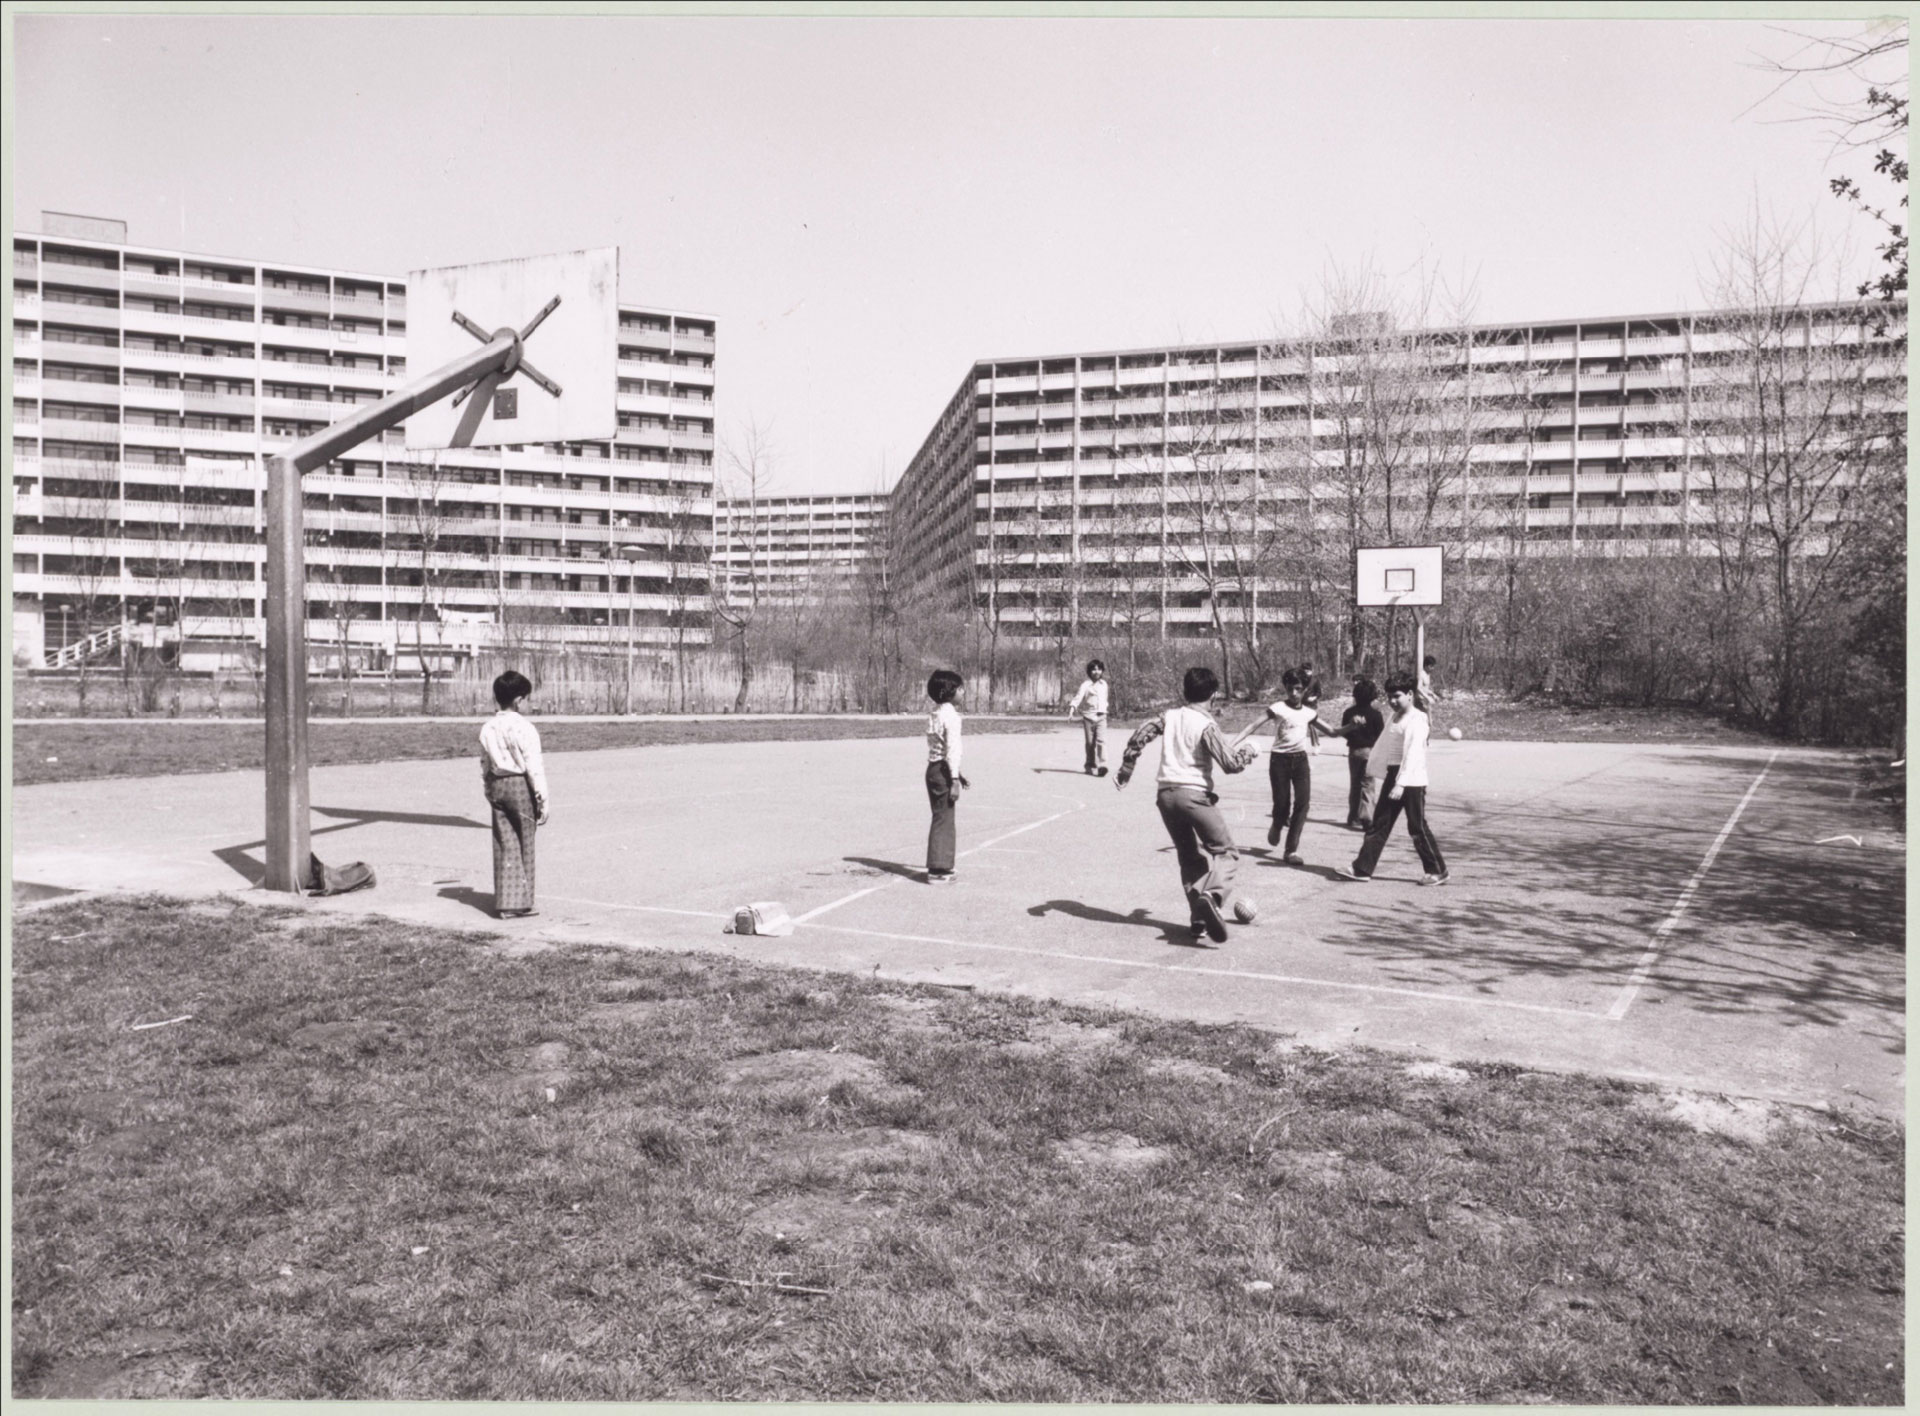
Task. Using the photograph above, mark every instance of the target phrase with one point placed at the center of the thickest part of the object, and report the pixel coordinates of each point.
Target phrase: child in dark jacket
(1361, 725)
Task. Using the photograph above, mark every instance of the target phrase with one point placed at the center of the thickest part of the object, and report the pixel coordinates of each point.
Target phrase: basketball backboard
(565, 307)
(1396, 575)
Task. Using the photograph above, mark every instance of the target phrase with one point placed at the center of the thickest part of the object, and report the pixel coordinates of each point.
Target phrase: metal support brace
(288, 824)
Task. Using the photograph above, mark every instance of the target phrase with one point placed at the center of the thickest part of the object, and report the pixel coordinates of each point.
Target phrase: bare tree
(1012, 591)
(334, 575)
(1375, 434)
(799, 618)
(1209, 506)
(190, 523)
(230, 517)
(1832, 70)
(1515, 406)
(1799, 447)
(1118, 576)
(688, 545)
(422, 517)
(748, 471)
(876, 613)
(97, 608)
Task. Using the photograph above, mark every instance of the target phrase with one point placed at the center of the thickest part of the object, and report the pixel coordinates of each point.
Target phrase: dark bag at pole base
(323, 879)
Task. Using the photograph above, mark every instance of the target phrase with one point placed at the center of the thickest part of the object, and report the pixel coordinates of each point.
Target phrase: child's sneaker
(1273, 833)
(1296, 859)
(939, 877)
(1101, 772)
(1439, 879)
(1215, 923)
(1347, 872)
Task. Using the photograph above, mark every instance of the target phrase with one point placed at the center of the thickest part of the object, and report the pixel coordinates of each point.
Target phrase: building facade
(790, 550)
(150, 384)
(1182, 487)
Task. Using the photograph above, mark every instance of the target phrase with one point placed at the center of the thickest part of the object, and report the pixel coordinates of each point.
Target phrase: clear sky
(867, 205)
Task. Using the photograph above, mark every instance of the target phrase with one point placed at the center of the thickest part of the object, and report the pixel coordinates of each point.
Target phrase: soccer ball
(1454, 733)
(1245, 910)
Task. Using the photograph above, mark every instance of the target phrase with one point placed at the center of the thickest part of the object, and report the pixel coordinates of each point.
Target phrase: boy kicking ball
(1400, 758)
(1188, 806)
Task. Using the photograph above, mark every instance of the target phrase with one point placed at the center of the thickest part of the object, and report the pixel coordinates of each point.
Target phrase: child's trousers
(1200, 840)
(1096, 749)
(1291, 776)
(943, 796)
(1414, 800)
(515, 820)
(1362, 791)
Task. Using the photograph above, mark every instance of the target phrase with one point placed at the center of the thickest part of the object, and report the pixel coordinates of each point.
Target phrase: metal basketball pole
(288, 823)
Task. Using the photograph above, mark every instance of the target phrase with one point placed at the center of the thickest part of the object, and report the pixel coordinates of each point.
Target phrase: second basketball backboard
(565, 308)
(1396, 575)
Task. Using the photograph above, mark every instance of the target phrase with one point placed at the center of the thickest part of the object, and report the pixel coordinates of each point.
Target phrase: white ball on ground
(1245, 910)
(1454, 733)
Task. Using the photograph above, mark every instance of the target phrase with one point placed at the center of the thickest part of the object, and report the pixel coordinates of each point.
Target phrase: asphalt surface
(1727, 920)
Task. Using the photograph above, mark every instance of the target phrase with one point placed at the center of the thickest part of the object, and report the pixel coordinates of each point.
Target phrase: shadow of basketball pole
(240, 860)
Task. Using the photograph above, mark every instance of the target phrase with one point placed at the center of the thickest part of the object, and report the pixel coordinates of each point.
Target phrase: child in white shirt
(1400, 758)
(1288, 767)
(1090, 707)
(515, 780)
(944, 780)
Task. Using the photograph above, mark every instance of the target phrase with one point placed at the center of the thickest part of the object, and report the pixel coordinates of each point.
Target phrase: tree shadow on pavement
(1812, 934)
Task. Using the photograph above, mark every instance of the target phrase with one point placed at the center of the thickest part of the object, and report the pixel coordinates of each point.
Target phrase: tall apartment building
(149, 384)
(794, 549)
(1161, 486)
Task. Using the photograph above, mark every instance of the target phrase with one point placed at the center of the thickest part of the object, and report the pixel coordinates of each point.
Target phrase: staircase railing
(78, 652)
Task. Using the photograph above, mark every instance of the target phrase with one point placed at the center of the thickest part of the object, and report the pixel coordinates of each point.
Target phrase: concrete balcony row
(244, 366)
(158, 287)
(137, 587)
(235, 404)
(662, 372)
(138, 321)
(65, 430)
(54, 312)
(655, 403)
(314, 302)
(54, 271)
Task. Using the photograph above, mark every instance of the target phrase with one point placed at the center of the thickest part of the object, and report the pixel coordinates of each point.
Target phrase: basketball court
(1724, 919)
(1728, 920)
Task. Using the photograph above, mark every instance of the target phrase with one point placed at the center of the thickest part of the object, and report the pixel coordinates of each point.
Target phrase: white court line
(1645, 968)
(984, 845)
(1213, 973)
(843, 900)
(813, 913)
(1022, 830)
(637, 909)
